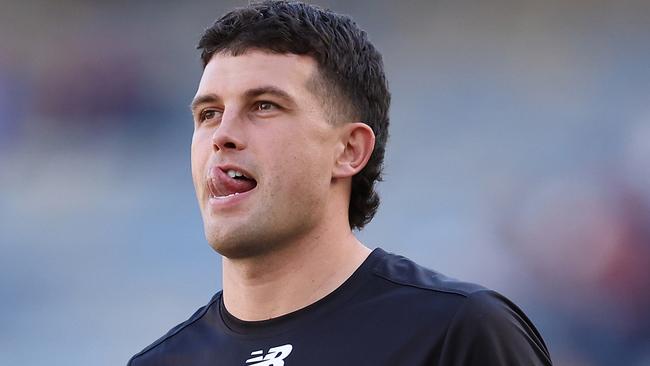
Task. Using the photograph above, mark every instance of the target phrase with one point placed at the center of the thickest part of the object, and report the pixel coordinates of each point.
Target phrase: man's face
(255, 115)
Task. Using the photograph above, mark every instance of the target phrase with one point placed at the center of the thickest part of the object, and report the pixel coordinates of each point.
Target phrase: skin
(287, 243)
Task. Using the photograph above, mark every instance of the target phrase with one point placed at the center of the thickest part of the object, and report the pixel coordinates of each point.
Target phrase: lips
(224, 181)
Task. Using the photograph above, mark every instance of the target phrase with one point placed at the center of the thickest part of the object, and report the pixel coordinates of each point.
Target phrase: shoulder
(425, 290)
(480, 323)
(429, 293)
(404, 272)
(174, 331)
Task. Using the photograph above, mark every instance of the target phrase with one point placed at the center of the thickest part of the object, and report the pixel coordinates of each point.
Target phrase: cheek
(310, 168)
(198, 155)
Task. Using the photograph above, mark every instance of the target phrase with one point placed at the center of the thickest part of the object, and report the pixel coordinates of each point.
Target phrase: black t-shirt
(390, 312)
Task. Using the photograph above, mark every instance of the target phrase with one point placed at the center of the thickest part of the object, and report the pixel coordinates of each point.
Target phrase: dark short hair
(350, 79)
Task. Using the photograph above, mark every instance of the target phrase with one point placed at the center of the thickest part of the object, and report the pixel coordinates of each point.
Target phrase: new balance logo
(274, 357)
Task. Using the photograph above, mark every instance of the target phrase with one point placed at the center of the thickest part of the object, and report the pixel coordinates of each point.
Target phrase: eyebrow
(203, 99)
(271, 90)
(249, 94)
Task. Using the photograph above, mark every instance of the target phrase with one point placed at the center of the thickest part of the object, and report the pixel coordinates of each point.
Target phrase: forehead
(226, 74)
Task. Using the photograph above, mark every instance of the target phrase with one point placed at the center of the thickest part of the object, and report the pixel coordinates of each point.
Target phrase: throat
(280, 283)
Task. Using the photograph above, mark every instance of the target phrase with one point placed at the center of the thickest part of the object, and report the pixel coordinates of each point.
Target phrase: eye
(264, 106)
(208, 114)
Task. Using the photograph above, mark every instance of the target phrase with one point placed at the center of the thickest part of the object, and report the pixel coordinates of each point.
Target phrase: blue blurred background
(519, 158)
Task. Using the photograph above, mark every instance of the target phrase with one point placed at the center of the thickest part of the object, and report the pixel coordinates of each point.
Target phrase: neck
(291, 278)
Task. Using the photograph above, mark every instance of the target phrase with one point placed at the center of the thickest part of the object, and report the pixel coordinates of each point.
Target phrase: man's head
(350, 78)
(347, 83)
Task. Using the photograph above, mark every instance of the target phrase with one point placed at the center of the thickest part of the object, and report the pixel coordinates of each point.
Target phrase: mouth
(228, 181)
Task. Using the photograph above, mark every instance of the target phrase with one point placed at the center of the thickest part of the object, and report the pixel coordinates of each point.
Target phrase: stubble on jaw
(263, 235)
(249, 244)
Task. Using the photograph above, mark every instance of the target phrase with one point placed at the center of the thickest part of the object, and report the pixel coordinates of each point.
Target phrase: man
(291, 118)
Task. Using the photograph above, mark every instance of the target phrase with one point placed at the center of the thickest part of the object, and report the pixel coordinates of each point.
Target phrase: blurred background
(519, 158)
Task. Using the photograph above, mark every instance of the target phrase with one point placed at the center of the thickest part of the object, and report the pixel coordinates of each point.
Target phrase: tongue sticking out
(221, 185)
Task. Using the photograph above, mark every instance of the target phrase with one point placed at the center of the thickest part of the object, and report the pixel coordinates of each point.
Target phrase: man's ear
(356, 144)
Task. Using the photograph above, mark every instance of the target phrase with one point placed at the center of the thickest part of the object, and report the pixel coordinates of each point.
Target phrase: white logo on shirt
(274, 357)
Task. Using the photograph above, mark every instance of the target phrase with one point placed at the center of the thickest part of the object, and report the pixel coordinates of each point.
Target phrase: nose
(229, 134)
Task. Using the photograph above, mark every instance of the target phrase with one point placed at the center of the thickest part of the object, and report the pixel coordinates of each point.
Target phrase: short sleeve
(488, 329)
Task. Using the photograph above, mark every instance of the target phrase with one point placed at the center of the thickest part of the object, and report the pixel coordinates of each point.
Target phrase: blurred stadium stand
(519, 158)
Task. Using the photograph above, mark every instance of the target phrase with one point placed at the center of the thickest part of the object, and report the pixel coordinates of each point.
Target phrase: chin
(253, 237)
(236, 245)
